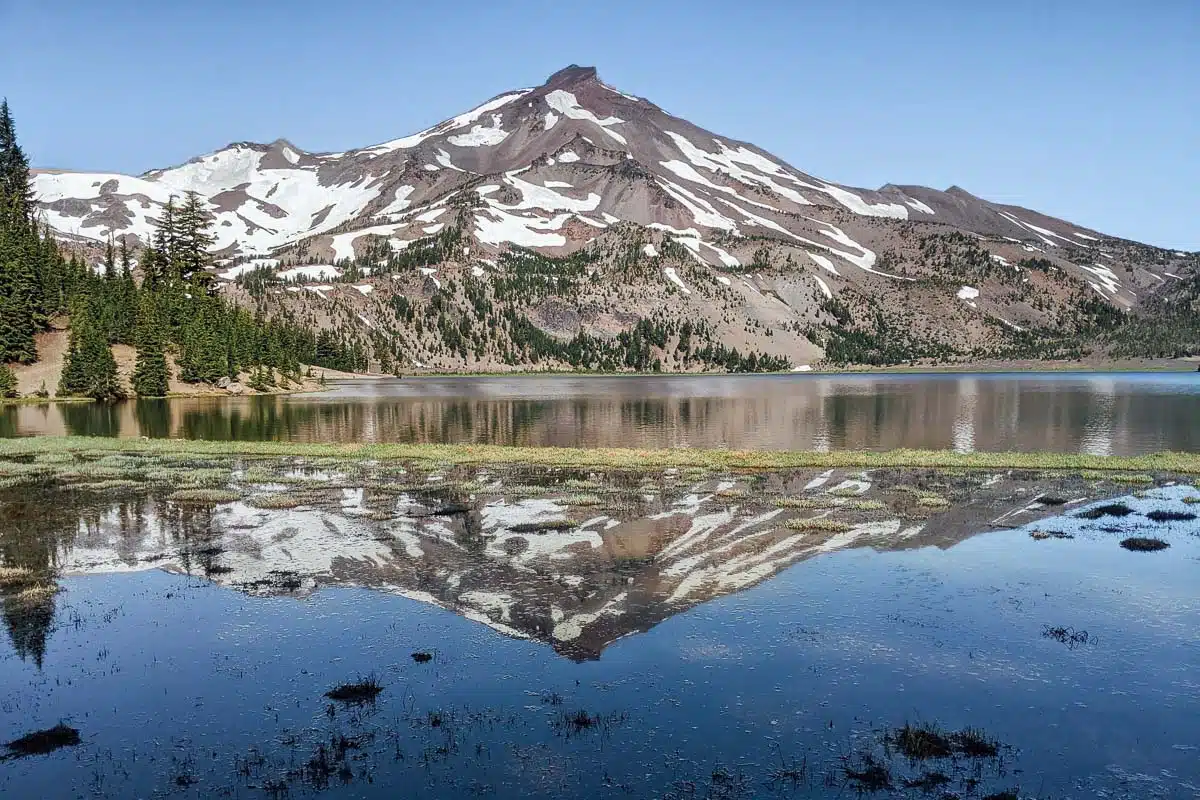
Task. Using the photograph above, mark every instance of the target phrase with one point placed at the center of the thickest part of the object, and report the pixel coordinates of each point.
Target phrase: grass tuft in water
(805, 503)
(927, 741)
(1107, 510)
(35, 595)
(277, 501)
(1039, 536)
(868, 775)
(1068, 636)
(1170, 516)
(583, 500)
(17, 576)
(40, 743)
(822, 524)
(204, 496)
(365, 690)
(1144, 544)
(921, 742)
(543, 527)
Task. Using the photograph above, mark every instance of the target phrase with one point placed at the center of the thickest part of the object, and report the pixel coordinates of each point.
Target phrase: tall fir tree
(90, 369)
(16, 190)
(150, 376)
(8, 381)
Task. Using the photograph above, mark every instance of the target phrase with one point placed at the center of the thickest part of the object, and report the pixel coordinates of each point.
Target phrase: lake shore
(611, 457)
(1133, 365)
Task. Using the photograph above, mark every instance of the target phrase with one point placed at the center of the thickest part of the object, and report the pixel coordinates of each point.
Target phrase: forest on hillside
(174, 305)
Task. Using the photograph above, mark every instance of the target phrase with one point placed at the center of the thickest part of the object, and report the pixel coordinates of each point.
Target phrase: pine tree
(194, 238)
(8, 381)
(90, 370)
(16, 192)
(150, 375)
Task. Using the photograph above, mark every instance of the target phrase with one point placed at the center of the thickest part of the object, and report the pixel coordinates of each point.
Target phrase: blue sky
(1085, 110)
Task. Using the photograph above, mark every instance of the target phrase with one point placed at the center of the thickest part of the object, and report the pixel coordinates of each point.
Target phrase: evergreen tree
(16, 192)
(150, 375)
(90, 370)
(193, 227)
(8, 381)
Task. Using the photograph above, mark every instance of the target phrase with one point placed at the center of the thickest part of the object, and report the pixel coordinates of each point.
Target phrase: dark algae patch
(1144, 544)
(40, 743)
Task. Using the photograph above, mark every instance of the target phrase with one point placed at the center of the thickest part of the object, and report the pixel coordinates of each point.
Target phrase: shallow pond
(1117, 414)
(534, 632)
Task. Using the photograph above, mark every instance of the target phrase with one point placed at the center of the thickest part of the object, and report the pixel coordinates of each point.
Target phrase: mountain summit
(575, 163)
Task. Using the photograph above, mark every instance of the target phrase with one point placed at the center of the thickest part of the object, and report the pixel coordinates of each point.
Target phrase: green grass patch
(18, 576)
(543, 527)
(278, 501)
(582, 458)
(818, 524)
(200, 496)
(805, 503)
(584, 500)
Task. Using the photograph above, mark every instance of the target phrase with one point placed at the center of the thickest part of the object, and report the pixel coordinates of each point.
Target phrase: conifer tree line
(174, 307)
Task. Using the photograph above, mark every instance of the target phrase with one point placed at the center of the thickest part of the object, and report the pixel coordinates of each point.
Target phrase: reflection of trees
(91, 419)
(153, 417)
(8, 421)
(35, 524)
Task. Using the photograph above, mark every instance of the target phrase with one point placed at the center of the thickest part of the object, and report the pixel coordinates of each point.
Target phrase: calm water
(1102, 414)
(678, 639)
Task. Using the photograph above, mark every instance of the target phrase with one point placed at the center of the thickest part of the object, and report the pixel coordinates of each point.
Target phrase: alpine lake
(431, 618)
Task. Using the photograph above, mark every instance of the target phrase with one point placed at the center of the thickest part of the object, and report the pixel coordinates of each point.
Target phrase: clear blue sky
(1084, 110)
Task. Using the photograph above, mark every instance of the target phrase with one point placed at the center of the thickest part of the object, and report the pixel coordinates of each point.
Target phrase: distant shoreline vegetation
(614, 457)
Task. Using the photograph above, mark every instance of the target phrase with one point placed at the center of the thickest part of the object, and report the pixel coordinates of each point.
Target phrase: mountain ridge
(724, 227)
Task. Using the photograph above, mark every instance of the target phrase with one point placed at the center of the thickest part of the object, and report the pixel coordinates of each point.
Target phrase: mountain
(582, 211)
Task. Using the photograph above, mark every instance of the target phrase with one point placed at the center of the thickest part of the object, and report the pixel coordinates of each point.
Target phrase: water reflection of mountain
(1100, 415)
(616, 570)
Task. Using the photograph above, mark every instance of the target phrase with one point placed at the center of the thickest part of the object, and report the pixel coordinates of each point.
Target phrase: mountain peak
(570, 76)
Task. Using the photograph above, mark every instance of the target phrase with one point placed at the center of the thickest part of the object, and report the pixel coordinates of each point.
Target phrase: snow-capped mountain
(565, 163)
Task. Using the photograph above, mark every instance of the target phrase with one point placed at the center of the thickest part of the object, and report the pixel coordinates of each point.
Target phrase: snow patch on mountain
(461, 121)
(673, 276)
(566, 104)
(311, 271)
(481, 136)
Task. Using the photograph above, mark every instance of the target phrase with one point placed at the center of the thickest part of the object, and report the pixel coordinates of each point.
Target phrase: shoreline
(1148, 366)
(748, 460)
